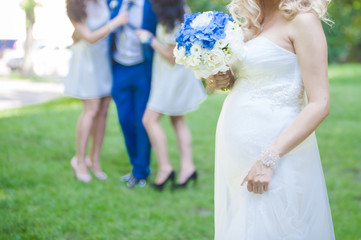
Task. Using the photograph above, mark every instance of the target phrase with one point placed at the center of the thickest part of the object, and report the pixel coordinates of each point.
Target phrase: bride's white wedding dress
(265, 99)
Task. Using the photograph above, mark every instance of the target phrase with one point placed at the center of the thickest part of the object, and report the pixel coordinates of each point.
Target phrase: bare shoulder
(305, 24)
(306, 18)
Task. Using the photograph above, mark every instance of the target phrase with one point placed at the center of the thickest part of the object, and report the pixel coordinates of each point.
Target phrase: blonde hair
(249, 13)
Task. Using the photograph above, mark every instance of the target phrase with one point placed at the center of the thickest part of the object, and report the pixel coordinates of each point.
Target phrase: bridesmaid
(174, 92)
(90, 79)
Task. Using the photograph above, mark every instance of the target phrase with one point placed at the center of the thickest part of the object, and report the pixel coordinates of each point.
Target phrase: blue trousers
(130, 91)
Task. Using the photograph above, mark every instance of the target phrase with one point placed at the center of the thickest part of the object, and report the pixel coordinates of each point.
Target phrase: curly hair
(169, 12)
(249, 13)
(76, 10)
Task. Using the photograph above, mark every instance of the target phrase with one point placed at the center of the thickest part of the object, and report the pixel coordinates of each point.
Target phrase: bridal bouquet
(209, 43)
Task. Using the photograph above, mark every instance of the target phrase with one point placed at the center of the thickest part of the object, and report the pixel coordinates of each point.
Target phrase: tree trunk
(27, 65)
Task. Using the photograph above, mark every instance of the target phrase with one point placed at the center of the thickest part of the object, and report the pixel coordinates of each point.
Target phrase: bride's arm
(311, 49)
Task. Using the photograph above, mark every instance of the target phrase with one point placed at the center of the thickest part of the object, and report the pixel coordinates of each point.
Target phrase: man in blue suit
(132, 68)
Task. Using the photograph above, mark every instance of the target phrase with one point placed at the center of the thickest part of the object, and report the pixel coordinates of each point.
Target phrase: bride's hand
(258, 178)
(221, 80)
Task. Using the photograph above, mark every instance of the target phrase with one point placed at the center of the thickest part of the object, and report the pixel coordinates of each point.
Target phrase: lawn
(40, 198)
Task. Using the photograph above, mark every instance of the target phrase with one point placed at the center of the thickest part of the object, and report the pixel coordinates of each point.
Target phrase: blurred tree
(28, 6)
(344, 37)
(208, 5)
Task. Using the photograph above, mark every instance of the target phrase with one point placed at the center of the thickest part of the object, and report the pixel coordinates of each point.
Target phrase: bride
(269, 183)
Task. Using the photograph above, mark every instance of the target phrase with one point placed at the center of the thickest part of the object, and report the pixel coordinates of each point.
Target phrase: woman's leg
(85, 124)
(151, 121)
(184, 139)
(98, 132)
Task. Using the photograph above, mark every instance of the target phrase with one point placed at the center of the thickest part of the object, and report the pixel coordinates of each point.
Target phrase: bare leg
(184, 139)
(151, 121)
(85, 123)
(98, 132)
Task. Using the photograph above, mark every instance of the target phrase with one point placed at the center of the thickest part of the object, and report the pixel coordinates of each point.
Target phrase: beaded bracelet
(270, 158)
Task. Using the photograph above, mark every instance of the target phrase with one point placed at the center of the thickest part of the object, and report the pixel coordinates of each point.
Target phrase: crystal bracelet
(270, 158)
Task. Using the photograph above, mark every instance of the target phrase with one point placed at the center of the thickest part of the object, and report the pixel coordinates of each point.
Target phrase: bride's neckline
(272, 43)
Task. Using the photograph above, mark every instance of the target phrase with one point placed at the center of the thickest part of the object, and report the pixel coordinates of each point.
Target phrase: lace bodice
(270, 73)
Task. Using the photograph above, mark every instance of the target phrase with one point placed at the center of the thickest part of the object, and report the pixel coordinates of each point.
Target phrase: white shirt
(129, 50)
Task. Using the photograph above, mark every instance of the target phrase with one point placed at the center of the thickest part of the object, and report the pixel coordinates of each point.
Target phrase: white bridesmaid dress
(174, 90)
(90, 74)
(266, 98)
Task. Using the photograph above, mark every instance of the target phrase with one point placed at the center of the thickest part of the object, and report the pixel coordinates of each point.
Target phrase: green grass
(40, 198)
(15, 75)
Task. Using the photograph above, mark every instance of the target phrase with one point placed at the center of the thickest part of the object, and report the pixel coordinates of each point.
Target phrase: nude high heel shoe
(81, 177)
(99, 175)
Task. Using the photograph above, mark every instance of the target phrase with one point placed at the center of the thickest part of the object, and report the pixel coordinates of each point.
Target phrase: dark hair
(169, 12)
(76, 10)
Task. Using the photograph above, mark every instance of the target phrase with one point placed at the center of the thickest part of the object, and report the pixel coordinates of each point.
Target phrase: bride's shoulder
(305, 20)
(305, 23)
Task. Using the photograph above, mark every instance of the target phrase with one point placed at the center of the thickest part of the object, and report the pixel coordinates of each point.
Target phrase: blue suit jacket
(149, 23)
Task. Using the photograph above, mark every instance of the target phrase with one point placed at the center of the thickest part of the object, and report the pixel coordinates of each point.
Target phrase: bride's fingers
(220, 79)
(222, 84)
(260, 189)
(255, 188)
(244, 180)
(250, 187)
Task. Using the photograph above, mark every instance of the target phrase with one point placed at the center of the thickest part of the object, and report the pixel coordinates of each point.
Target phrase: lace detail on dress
(277, 94)
(280, 95)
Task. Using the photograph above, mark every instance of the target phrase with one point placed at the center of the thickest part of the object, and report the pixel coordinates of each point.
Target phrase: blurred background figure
(132, 72)
(90, 79)
(174, 92)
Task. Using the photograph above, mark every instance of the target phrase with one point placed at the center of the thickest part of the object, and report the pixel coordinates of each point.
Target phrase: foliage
(207, 5)
(29, 6)
(27, 65)
(40, 199)
(343, 37)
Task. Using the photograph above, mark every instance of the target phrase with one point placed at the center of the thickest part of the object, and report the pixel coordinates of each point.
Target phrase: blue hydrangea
(205, 36)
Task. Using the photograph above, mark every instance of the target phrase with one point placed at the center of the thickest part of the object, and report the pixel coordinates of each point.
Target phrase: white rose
(179, 55)
(220, 44)
(202, 71)
(230, 26)
(236, 40)
(196, 50)
(215, 58)
(192, 61)
(230, 58)
(237, 49)
(212, 62)
(202, 20)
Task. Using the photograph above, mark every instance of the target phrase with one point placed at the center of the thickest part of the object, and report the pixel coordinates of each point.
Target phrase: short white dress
(90, 73)
(175, 90)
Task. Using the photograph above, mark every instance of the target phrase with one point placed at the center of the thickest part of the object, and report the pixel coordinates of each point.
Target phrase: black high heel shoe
(193, 177)
(160, 187)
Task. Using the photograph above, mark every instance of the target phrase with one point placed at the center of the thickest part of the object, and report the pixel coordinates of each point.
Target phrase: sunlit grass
(40, 198)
